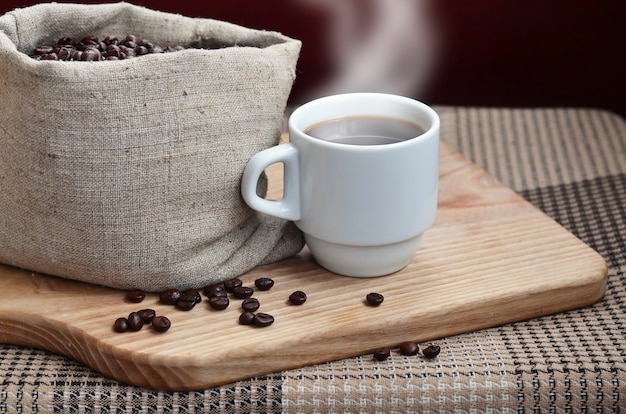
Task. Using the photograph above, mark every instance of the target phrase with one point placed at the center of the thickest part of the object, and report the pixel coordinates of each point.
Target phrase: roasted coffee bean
(65, 53)
(77, 55)
(161, 323)
(43, 50)
(141, 50)
(431, 351)
(66, 41)
(120, 325)
(128, 52)
(170, 296)
(81, 46)
(135, 321)
(50, 56)
(246, 318)
(111, 40)
(90, 55)
(147, 315)
(297, 298)
(219, 302)
(193, 293)
(129, 47)
(264, 283)
(382, 354)
(135, 296)
(214, 290)
(263, 319)
(409, 348)
(90, 40)
(250, 305)
(242, 292)
(374, 299)
(186, 302)
(231, 284)
(113, 50)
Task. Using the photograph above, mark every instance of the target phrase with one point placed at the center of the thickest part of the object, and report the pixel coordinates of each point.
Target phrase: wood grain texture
(490, 258)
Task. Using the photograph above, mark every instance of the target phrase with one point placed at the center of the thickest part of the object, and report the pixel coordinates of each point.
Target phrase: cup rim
(377, 100)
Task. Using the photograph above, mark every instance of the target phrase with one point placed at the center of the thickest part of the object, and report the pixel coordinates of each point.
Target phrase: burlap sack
(127, 173)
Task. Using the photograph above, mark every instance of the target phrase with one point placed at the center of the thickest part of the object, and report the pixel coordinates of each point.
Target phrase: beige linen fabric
(127, 173)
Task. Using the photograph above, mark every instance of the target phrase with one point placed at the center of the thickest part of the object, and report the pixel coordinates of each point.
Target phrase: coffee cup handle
(289, 206)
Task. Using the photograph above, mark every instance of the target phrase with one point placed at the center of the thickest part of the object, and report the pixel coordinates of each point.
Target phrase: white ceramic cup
(362, 208)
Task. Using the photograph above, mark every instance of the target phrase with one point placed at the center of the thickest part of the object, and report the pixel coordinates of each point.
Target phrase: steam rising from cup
(384, 46)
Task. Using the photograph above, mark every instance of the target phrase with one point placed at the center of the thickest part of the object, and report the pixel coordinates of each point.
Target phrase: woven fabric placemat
(570, 163)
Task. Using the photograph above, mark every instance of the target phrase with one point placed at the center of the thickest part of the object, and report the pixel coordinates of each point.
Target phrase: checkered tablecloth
(570, 163)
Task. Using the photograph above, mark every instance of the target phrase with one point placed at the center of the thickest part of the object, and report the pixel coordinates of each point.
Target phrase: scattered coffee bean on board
(161, 323)
(231, 284)
(170, 296)
(297, 298)
(431, 351)
(409, 348)
(135, 296)
(147, 315)
(374, 299)
(120, 325)
(264, 283)
(186, 302)
(246, 318)
(242, 292)
(214, 290)
(382, 354)
(135, 322)
(219, 302)
(263, 319)
(194, 294)
(250, 305)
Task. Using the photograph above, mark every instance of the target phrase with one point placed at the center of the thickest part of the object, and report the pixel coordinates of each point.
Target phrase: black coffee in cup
(365, 130)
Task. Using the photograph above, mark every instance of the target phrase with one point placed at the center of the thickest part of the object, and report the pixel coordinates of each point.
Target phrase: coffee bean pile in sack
(91, 49)
(127, 173)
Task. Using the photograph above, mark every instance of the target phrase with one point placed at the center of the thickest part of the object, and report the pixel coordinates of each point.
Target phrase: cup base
(363, 261)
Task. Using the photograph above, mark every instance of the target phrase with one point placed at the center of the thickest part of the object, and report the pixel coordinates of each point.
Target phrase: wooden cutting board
(491, 258)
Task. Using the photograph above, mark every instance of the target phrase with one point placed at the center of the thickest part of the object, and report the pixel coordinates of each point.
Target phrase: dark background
(523, 53)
